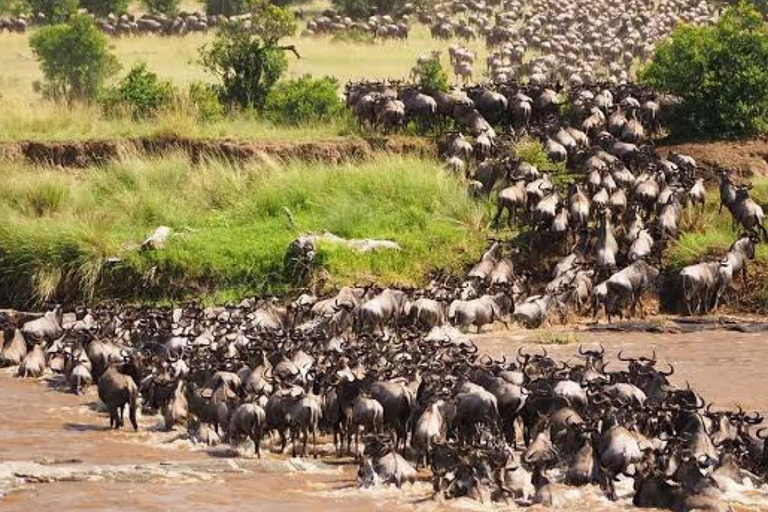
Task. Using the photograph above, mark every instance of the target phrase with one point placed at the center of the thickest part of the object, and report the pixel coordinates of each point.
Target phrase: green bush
(167, 7)
(760, 5)
(102, 8)
(205, 101)
(141, 92)
(719, 72)
(227, 7)
(55, 11)
(431, 74)
(304, 100)
(13, 7)
(249, 63)
(363, 8)
(74, 57)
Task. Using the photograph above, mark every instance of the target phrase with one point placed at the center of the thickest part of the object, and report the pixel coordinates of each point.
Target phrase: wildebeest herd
(611, 196)
(542, 41)
(412, 398)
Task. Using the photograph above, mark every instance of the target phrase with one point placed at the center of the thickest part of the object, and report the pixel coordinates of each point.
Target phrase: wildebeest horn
(581, 347)
(670, 372)
(618, 356)
(759, 433)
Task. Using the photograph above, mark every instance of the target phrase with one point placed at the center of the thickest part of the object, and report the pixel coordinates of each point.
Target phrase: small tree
(431, 75)
(167, 7)
(140, 91)
(249, 62)
(74, 57)
(102, 8)
(719, 72)
(54, 11)
(304, 100)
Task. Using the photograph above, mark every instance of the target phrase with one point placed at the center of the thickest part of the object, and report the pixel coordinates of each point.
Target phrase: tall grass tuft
(78, 237)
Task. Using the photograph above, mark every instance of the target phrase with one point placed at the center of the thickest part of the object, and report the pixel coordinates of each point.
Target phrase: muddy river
(57, 454)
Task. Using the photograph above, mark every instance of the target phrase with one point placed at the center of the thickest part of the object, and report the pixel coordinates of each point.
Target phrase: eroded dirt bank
(90, 152)
(56, 453)
(746, 157)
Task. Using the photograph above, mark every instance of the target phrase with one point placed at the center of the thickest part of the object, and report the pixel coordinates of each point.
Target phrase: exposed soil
(744, 157)
(85, 153)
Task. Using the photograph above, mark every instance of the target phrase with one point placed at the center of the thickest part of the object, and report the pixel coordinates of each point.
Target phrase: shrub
(75, 58)
(167, 7)
(363, 8)
(102, 8)
(719, 73)
(249, 62)
(431, 74)
(227, 7)
(205, 101)
(13, 7)
(55, 11)
(304, 100)
(141, 92)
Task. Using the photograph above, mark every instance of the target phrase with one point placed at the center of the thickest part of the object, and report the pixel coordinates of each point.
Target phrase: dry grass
(23, 115)
(176, 58)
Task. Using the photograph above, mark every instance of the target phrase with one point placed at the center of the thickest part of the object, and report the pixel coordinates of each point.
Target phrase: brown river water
(57, 454)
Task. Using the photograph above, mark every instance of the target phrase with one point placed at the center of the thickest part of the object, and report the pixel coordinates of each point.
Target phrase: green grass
(230, 229)
(557, 338)
(707, 235)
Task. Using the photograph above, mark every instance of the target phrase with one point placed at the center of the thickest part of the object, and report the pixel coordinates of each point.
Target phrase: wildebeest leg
(305, 431)
(357, 441)
(608, 485)
(763, 231)
(314, 442)
(132, 416)
(497, 217)
(256, 438)
(121, 416)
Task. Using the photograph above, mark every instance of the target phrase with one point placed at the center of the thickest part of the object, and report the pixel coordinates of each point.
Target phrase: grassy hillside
(230, 226)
